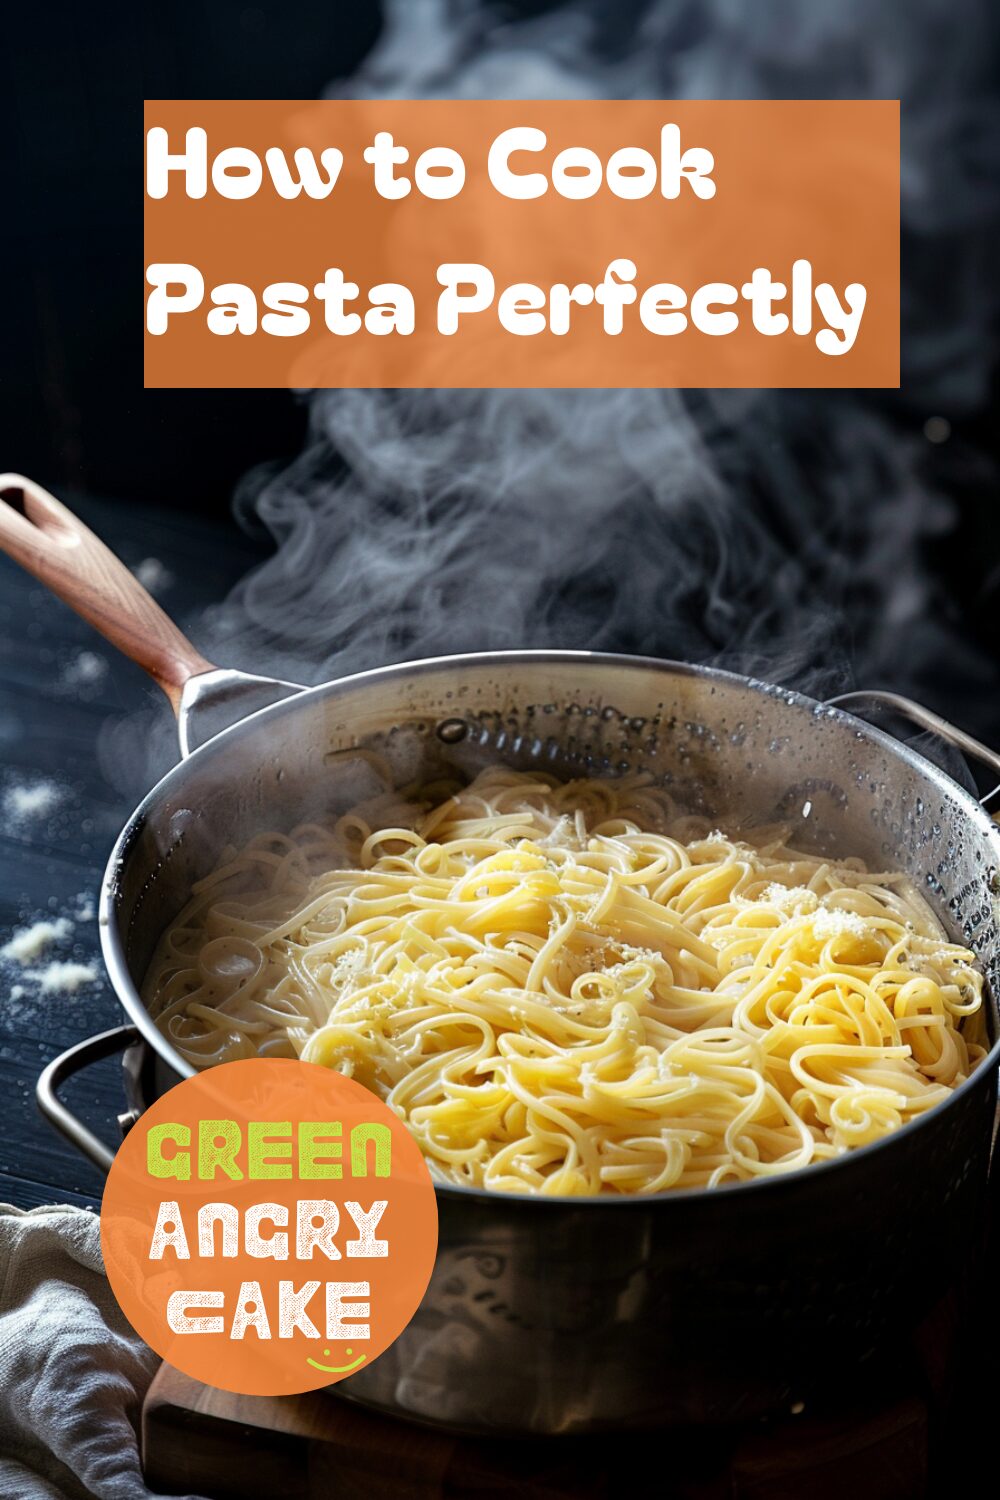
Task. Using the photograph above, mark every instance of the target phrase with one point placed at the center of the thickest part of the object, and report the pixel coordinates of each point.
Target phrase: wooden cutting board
(198, 1440)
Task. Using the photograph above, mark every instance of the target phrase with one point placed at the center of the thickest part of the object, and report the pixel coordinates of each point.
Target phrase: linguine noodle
(569, 989)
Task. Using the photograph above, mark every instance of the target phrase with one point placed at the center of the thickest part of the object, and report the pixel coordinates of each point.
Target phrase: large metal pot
(570, 1315)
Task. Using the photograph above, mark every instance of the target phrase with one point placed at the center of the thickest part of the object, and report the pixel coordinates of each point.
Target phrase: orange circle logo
(269, 1226)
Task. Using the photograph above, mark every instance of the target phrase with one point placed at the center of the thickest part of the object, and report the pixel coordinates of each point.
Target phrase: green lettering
(218, 1143)
(179, 1164)
(316, 1148)
(381, 1136)
(259, 1143)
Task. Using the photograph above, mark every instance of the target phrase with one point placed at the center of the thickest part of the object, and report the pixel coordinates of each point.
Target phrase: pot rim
(128, 995)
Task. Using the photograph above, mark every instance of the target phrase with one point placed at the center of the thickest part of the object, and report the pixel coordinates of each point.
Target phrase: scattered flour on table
(85, 669)
(30, 942)
(29, 946)
(31, 801)
(63, 978)
(152, 574)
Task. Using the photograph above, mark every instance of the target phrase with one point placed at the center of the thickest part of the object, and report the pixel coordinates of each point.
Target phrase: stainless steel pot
(571, 1315)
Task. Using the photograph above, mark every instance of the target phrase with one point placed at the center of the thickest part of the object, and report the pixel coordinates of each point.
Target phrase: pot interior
(739, 752)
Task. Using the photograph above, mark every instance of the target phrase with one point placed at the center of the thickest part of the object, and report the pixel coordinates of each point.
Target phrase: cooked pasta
(570, 989)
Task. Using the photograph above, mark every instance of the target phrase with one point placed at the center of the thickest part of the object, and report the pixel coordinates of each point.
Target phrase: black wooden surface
(99, 743)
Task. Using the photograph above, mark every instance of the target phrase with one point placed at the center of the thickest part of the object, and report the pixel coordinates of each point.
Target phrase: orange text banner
(498, 243)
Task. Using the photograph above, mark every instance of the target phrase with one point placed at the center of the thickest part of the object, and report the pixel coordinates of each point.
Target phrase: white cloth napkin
(72, 1372)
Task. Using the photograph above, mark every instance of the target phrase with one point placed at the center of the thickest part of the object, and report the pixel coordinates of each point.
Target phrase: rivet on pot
(452, 731)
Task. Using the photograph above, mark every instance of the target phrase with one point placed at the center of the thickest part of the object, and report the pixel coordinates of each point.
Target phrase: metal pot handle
(211, 701)
(925, 718)
(64, 1066)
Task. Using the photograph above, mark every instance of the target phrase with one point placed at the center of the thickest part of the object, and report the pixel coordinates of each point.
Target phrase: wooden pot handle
(47, 539)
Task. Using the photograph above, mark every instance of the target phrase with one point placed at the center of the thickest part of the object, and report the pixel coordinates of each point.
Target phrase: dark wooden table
(77, 717)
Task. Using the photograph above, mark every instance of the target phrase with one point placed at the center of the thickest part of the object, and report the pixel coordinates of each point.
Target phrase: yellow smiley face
(338, 1369)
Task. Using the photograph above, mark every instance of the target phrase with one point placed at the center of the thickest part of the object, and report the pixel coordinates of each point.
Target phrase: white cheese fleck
(829, 922)
(794, 898)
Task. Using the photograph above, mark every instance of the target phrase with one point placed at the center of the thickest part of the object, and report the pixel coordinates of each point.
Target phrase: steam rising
(779, 533)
